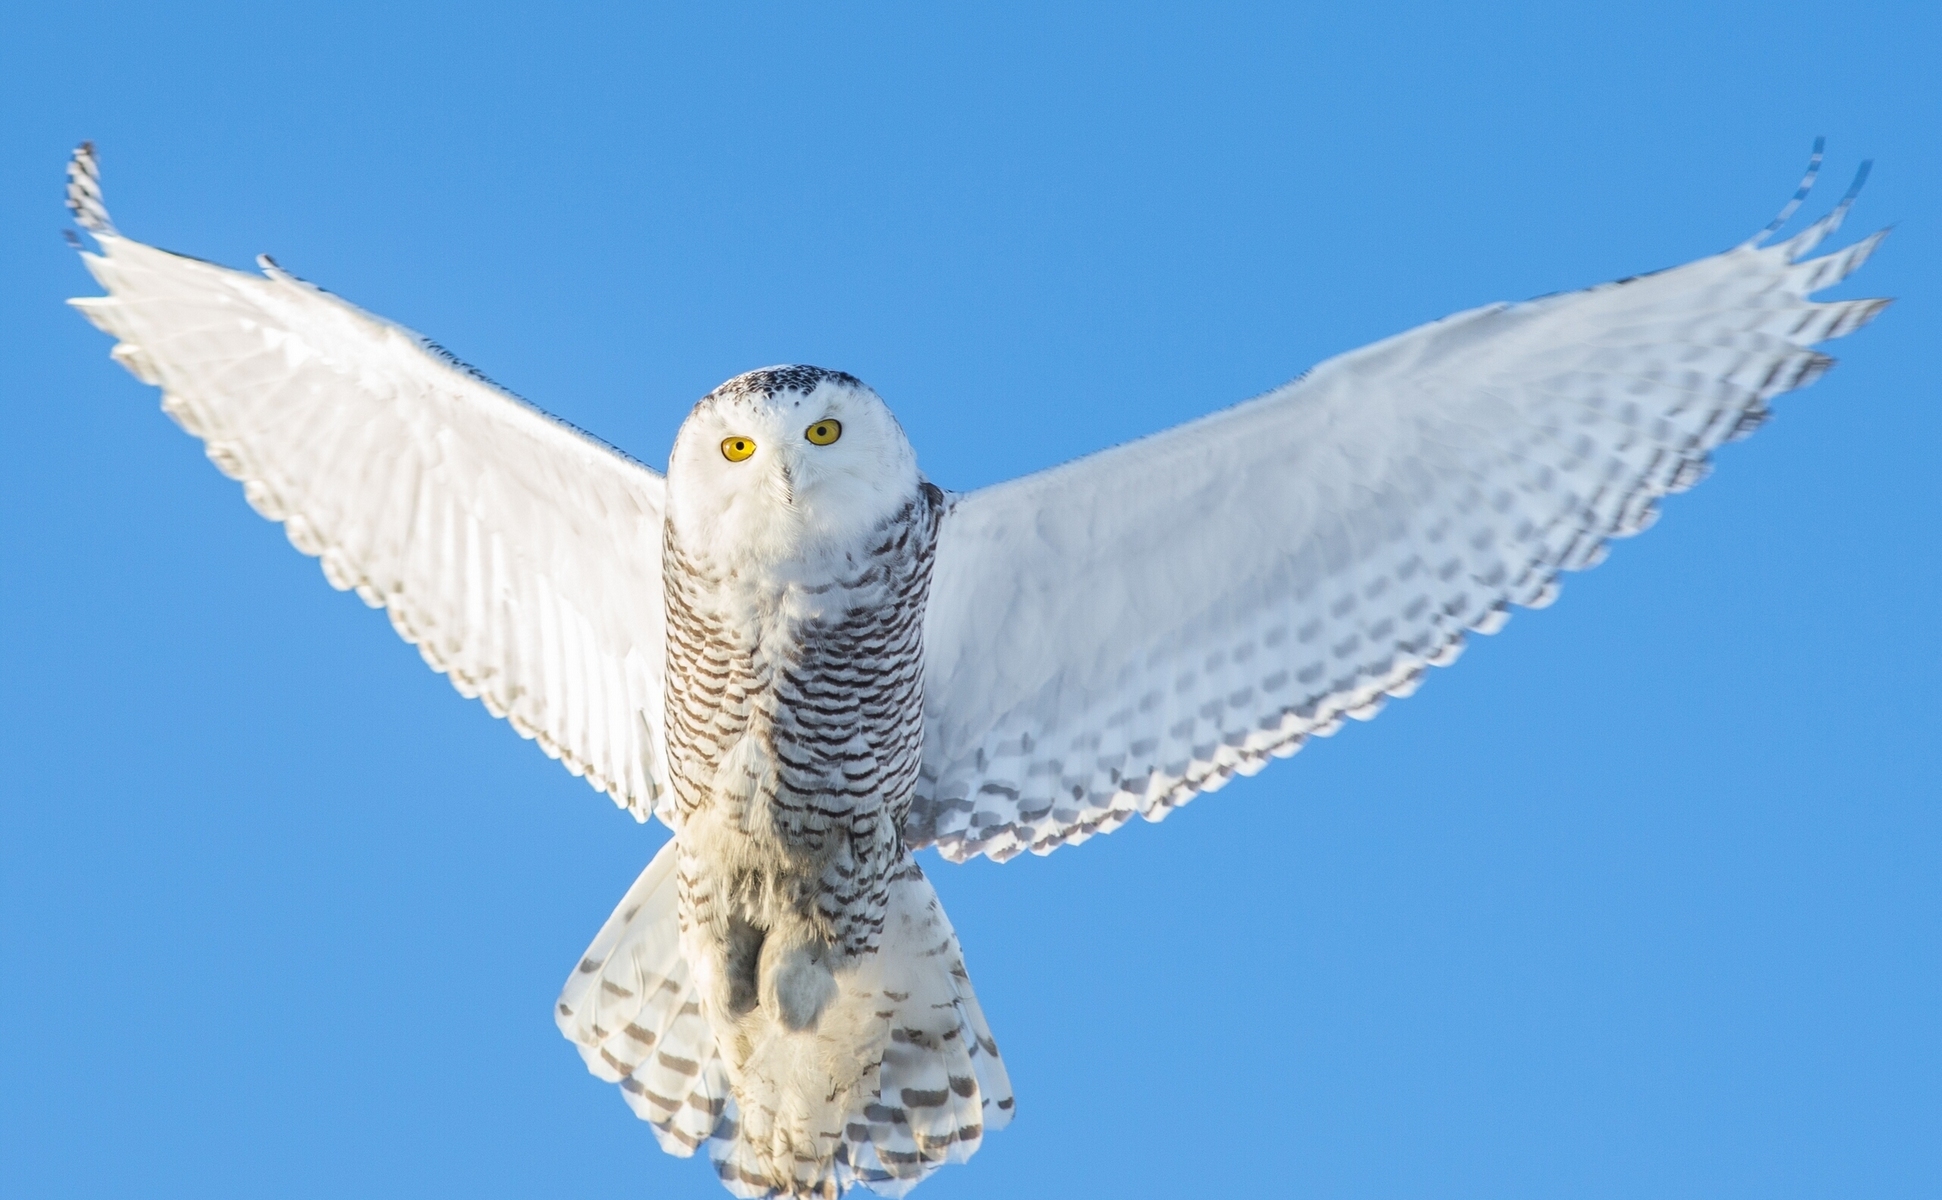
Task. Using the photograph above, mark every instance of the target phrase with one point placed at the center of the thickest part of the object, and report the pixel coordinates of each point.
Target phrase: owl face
(787, 463)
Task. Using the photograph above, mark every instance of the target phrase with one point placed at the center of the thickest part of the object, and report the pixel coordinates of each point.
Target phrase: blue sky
(1640, 899)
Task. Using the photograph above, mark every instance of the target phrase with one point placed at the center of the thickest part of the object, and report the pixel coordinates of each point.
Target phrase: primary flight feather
(810, 662)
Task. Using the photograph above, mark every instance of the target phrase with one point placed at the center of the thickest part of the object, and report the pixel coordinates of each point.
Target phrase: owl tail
(898, 1076)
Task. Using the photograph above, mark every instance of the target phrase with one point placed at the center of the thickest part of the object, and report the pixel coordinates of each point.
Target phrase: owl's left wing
(520, 556)
(1116, 635)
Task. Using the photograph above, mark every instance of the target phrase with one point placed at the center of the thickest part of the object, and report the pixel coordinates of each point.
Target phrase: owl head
(787, 462)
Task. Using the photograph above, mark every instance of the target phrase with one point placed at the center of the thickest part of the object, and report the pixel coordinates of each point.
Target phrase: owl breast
(795, 731)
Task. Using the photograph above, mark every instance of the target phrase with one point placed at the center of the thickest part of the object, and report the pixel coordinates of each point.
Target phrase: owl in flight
(810, 662)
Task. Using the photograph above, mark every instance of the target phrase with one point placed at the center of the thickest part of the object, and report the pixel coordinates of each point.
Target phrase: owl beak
(788, 484)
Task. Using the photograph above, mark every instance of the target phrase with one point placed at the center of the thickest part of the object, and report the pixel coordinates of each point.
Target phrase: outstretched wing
(1121, 633)
(520, 556)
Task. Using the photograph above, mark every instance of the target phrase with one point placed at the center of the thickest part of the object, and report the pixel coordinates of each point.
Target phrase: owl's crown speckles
(768, 381)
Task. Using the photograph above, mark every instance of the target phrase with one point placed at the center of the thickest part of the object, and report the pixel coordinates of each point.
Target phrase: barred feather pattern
(844, 1017)
(1112, 637)
(633, 1009)
(799, 699)
(84, 191)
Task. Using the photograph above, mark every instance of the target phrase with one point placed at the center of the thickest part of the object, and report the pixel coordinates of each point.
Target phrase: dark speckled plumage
(768, 381)
(835, 698)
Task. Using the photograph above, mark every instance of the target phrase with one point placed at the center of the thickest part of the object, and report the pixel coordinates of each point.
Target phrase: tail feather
(994, 1082)
(631, 1008)
(917, 1078)
(941, 1084)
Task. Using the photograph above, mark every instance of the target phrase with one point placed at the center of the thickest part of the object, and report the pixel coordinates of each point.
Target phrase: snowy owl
(810, 662)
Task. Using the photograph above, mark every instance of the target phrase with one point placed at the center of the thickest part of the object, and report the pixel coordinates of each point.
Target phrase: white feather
(934, 1087)
(522, 557)
(1117, 634)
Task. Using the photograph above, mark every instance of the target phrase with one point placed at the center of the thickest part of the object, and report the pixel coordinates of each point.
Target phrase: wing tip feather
(84, 199)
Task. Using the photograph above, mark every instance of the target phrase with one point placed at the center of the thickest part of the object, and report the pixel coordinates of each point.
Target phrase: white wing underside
(519, 555)
(1119, 634)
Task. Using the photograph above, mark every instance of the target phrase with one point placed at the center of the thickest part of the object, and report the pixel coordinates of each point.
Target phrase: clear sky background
(1641, 899)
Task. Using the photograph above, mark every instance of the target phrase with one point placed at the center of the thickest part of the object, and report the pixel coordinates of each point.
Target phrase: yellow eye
(738, 448)
(823, 432)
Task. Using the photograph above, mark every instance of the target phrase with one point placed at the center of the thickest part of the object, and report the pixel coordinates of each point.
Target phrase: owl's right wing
(1114, 636)
(522, 557)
